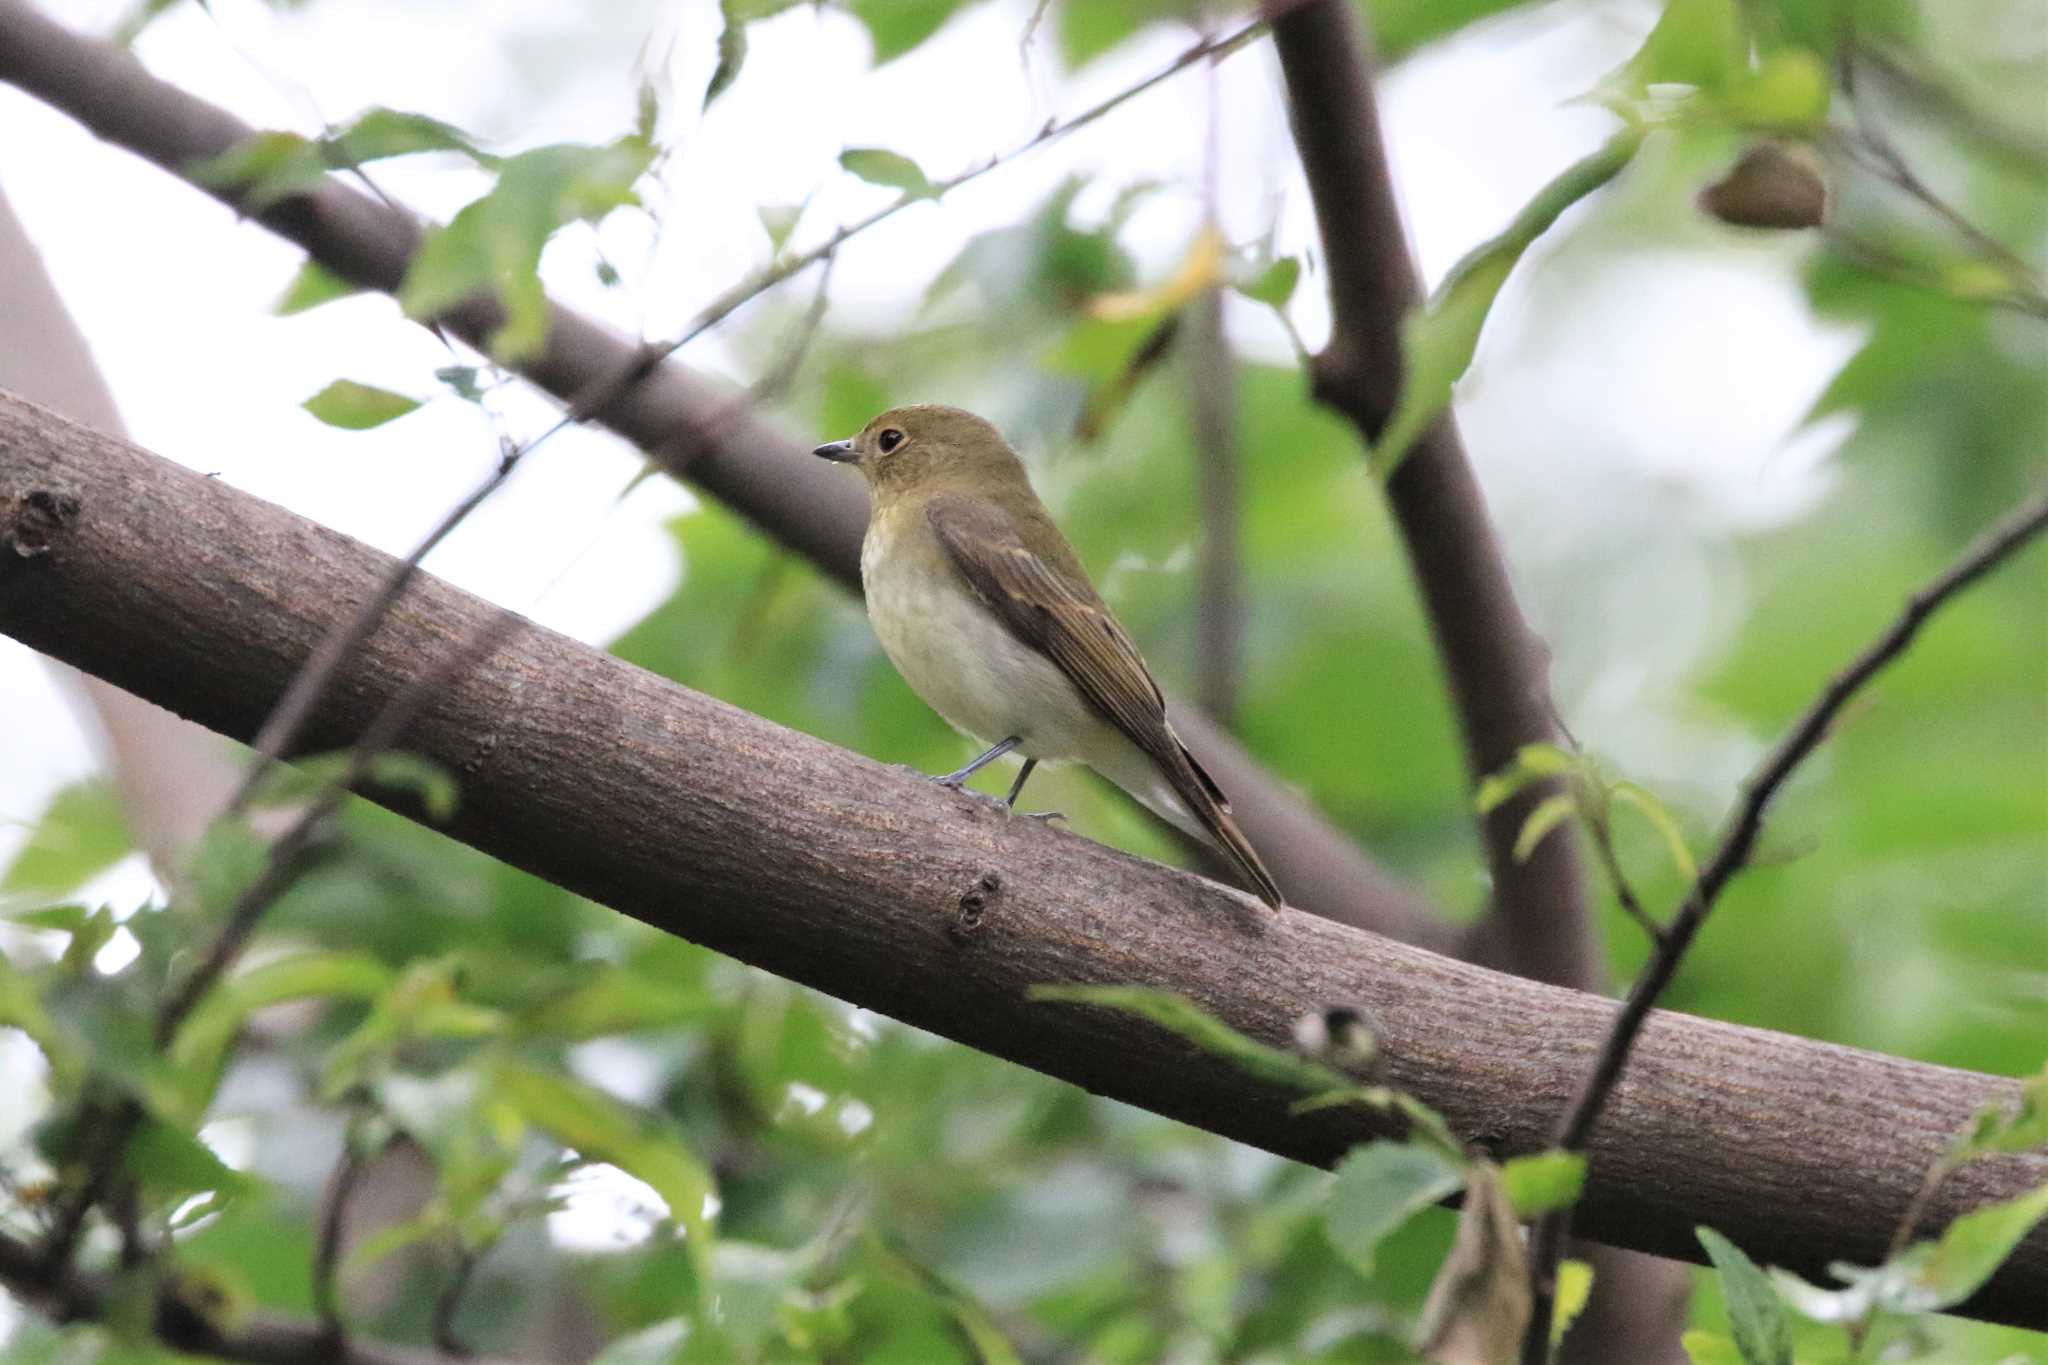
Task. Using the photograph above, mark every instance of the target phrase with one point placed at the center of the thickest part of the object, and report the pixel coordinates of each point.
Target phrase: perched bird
(985, 610)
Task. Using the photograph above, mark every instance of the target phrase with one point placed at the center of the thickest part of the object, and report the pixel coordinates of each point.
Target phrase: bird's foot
(953, 782)
(1042, 816)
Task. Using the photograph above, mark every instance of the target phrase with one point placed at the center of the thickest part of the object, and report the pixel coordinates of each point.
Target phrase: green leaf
(1710, 1348)
(1999, 1129)
(601, 1128)
(80, 834)
(1550, 812)
(608, 1000)
(1788, 93)
(201, 1046)
(494, 244)
(1544, 1181)
(1438, 342)
(1574, 1287)
(463, 381)
(314, 285)
(358, 407)
(172, 1164)
(1180, 1015)
(659, 1344)
(1378, 1187)
(897, 26)
(1274, 286)
(380, 134)
(732, 55)
(1701, 43)
(779, 221)
(891, 170)
(1661, 819)
(1970, 1249)
(1762, 1331)
(262, 170)
(1090, 28)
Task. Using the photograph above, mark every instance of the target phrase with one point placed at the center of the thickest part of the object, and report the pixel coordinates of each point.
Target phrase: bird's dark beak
(840, 452)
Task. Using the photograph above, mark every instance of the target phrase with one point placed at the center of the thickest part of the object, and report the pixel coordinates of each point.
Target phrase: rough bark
(866, 882)
(692, 427)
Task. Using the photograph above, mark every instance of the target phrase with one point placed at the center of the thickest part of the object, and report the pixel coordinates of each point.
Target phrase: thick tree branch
(1730, 856)
(1495, 667)
(684, 422)
(182, 1322)
(866, 882)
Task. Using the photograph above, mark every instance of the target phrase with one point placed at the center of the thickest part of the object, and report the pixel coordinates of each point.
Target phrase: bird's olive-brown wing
(1055, 611)
(1052, 607)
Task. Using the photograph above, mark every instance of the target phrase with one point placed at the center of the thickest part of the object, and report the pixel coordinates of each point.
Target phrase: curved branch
(1495, 667)
(857, 879)
(687, 424)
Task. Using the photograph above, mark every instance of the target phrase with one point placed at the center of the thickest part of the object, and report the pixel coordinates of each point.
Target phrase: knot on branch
(37, 518)
(974, 903)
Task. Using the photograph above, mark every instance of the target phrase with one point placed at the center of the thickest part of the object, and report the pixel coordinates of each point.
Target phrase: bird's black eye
(889, 439)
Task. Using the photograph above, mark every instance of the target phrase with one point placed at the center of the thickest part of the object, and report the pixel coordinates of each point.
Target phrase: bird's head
(925, 447)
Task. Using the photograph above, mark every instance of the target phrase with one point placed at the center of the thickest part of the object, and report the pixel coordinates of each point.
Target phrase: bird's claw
(1043, 816)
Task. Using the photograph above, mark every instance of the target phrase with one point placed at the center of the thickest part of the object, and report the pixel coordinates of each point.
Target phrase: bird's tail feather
(1174, 786)
(1212, 808)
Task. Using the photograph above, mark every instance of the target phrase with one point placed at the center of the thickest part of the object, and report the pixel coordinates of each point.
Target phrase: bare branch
(1576, 1126)
(1495, 668)
(341, 1187)
(687, 424)
(849, 876)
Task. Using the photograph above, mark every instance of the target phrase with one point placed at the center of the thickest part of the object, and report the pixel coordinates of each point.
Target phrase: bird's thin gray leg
(1017, 790)
(1017, 787)
(996, 751)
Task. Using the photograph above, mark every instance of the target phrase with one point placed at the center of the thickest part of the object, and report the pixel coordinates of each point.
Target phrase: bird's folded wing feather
(1057, 611)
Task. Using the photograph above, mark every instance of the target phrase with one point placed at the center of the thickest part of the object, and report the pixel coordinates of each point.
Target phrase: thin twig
(341, 1187)
(1729, 858)
(450, 1301)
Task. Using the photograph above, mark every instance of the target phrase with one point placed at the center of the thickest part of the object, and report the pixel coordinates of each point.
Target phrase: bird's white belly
(964, 662)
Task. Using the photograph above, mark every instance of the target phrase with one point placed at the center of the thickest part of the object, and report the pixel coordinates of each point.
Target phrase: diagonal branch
(689, 425)
(1494, 666)
(1731, 855)
(865, 882)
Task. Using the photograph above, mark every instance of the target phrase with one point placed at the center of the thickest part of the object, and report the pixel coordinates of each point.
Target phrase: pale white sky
(175, 295)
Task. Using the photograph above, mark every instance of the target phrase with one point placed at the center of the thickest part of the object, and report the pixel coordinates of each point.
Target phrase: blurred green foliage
(708, 1164)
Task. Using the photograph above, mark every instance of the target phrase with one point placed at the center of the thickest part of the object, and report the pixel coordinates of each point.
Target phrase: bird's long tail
(1200, 792)
(1177, 789)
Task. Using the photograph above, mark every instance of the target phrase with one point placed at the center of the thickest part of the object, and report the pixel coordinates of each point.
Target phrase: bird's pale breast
(956, 655)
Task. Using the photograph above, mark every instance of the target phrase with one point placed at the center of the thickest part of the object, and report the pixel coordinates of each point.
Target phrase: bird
(984, 608)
